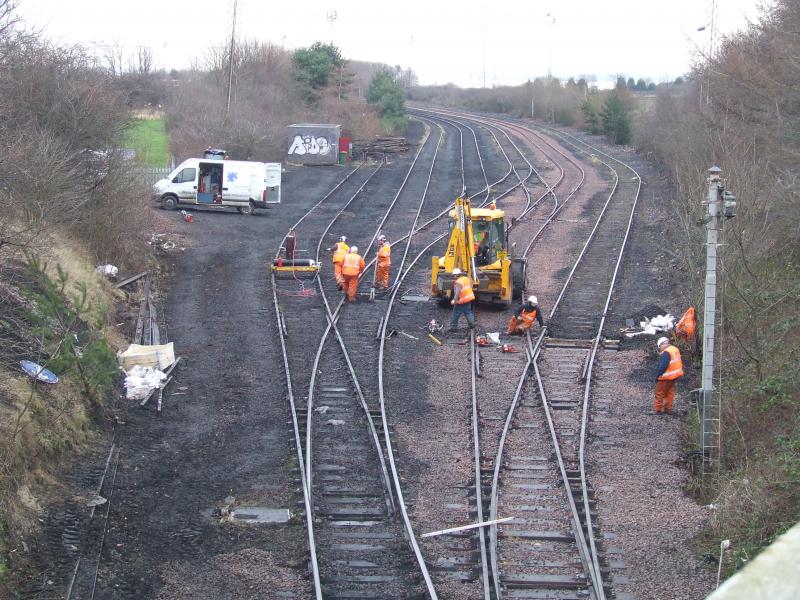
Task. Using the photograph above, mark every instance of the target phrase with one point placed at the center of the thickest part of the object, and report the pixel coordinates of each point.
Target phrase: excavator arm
(460, 251)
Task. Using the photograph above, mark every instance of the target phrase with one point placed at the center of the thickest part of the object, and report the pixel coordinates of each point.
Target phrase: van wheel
(247, 210)
(169, 203)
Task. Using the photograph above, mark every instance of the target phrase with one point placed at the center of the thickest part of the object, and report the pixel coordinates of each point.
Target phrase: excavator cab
(478, 246)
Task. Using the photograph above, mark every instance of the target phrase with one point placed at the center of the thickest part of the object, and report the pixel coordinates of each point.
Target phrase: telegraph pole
(230, 59)
(720, 205)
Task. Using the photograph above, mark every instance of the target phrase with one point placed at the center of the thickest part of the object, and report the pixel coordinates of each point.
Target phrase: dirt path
(227, 436)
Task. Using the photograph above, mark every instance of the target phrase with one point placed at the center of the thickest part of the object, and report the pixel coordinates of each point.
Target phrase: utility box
(314, 144)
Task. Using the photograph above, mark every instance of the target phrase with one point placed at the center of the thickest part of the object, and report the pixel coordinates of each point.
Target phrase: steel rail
(473, 354)
(332, 318)
(476, 450)
(402, 274)
(290, 396)
(596, 343)
(583, 547)
(588, 560)
(318, 356)
(533, 353)
(335, 317)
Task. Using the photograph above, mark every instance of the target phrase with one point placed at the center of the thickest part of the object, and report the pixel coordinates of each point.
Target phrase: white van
(214, 182)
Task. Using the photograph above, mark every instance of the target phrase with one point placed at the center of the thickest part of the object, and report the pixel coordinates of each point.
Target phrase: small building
(314, 144)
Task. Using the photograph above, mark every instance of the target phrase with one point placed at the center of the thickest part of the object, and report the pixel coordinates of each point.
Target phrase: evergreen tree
(631, 83)
(314, 67)
(615, 119)
(387, 94)
(592, 118)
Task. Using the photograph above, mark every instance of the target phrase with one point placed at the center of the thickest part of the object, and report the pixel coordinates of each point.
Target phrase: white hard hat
(456, 271)
(533, 300)
(662, 340)
(343, 238)
(353, 249)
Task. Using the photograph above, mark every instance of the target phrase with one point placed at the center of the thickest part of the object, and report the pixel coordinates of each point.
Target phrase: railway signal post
(720, 205)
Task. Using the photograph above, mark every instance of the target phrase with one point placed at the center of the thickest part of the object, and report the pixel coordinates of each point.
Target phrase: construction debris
(107, 270)
(38, 372)
(155, 356)
(140, 381)
(131, 279)
(657, 324)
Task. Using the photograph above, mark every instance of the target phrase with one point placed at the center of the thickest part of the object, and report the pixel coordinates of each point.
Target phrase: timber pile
(384, 145)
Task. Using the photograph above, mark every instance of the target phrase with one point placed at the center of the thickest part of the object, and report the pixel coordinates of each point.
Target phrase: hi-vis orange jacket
(340, 250)
(675, 366)
(466, 294)
(528, 317)
(687, 325)
(353, 264)
(385, 255)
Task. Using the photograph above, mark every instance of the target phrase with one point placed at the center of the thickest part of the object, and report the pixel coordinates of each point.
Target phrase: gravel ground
(243, 574)
(642, 504)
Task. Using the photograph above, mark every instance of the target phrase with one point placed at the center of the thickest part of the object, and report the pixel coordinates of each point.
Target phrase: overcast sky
(443, 41)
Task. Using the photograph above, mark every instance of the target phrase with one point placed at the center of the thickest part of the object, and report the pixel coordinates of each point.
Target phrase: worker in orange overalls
(340, 249)
(384, 261)
(670, 368)
(463, 297)
(687, 325)
(352, 266)
(524, 317)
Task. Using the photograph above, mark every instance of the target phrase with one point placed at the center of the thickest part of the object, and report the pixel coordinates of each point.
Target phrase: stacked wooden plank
(381, 145)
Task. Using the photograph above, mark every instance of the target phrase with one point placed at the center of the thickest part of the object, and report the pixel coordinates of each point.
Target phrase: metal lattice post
(710, 407)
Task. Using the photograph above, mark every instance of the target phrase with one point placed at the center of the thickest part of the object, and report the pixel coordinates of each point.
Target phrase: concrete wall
(772, 575)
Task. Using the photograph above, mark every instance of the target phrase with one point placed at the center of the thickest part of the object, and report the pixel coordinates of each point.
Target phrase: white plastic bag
(107, 270)
(140, 380)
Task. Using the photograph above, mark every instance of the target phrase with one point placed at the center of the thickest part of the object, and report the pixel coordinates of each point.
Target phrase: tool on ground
(187, 217)
(436, 340)
(407, 335)
(508, 348)
(482, 341)
(479, 247)
(433, 326)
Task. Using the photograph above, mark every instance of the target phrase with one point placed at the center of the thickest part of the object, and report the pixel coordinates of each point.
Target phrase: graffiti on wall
(308, 144)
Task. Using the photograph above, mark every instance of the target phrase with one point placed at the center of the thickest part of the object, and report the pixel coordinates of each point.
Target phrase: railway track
(551, 548)
(385, 580)
(360, 543)
(559, 572)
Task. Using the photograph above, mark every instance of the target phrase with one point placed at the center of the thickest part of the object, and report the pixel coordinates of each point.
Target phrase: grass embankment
(41, 425)
(150, 140)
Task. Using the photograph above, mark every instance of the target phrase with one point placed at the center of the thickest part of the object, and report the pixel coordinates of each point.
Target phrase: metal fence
(150, 175)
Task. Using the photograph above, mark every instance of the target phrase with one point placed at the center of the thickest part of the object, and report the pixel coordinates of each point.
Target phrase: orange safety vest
(675, 367)
(466, 295)
(687, 325)
(385, 255)
(340, 251)
(528, 317)
(353, 264)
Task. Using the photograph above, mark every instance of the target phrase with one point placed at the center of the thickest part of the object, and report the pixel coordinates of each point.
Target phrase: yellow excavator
(479, 247)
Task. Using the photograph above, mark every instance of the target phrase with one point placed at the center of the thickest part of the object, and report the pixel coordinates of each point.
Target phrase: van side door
(235, 182)
(185, 185)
